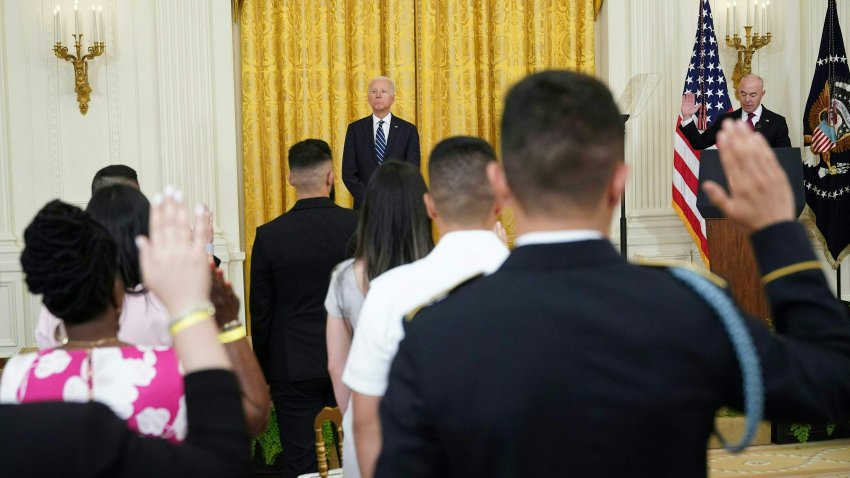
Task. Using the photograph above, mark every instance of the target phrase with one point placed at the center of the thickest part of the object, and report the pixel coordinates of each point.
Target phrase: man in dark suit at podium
(376, 138)
(750, 92)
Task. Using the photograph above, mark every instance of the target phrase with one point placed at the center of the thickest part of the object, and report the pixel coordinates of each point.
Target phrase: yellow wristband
(232, 335)
(189, 320)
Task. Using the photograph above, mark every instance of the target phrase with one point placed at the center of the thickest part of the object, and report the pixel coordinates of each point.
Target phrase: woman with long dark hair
(123, 211)
(394, 230)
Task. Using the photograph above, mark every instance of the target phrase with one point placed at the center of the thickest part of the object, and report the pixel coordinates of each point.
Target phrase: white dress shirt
(458, 256)
(554, 237)
(757, 116)
(386, 127)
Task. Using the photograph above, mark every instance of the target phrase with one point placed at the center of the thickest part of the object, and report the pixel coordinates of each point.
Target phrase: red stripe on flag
(821, 142)
(691, 218)
(692, 222)
(687, 174)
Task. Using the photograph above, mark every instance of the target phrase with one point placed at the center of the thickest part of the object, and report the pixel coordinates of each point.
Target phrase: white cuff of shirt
(687, 121)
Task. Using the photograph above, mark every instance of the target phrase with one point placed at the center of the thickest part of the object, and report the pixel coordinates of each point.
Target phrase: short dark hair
(562, 136)
(70, 259)
(308, 154)
(394, 228)
(457, 168)
(321, 144)
(114, 173)
(124, 212)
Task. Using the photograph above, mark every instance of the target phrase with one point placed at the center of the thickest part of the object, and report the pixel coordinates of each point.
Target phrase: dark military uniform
(568, 361)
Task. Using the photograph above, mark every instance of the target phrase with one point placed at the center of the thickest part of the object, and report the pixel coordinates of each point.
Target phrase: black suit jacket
(291, 265)
(358, 154)
(88, 440)
(771, 125)
(567, 350)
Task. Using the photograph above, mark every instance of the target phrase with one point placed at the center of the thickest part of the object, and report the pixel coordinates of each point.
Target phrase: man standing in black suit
(568, 360)
(376, 138)
(291, 267)
(750, 92)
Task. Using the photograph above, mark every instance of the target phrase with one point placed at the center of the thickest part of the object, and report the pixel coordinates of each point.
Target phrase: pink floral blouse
(142, 385)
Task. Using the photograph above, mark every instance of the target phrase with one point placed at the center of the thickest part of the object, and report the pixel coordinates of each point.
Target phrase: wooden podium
(732, 258)
(729, 250)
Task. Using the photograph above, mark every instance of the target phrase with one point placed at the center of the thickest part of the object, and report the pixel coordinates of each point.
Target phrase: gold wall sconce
(80, 61)
(758, 19)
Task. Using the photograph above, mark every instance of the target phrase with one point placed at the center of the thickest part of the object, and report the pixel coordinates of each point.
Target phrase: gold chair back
(328, 459)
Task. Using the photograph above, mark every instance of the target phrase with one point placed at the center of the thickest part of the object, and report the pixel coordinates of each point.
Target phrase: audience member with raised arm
(567, 348)
(464, 209)
(143, 320)
(394, 229)
(72, 261)
(123, 211)
(87, 439)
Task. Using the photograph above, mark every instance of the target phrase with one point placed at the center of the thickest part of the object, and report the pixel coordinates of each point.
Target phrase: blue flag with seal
(826, 132)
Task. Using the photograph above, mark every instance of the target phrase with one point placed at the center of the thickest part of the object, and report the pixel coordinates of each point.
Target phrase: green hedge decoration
(269, 441)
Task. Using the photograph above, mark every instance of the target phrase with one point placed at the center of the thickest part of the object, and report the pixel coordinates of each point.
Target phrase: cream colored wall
(656, 36)
(164, 103)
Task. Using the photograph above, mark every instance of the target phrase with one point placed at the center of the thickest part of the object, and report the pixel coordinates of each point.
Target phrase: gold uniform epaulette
(442, 295)
(714, 278)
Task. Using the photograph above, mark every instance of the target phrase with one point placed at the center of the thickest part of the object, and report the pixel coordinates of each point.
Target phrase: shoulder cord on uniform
(745, 351)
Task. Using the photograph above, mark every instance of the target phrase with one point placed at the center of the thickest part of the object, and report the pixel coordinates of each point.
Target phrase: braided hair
(71, 260)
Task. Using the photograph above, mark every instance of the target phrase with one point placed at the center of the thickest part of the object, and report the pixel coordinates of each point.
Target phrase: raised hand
(689, 105)
(206, 216)
(223, 298)
(174, 262)
(759, 193)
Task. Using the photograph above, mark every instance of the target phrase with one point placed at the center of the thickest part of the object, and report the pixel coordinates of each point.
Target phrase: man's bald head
(750, 92)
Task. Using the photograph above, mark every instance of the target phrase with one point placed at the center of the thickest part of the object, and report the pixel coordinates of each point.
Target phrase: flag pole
(838, 281)
(624, 243)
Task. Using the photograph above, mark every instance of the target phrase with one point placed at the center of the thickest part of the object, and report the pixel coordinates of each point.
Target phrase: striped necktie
(380, 143)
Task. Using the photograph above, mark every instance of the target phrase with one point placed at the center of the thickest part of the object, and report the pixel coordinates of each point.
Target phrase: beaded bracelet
(232, 335)
(191, 316)
(230, 325)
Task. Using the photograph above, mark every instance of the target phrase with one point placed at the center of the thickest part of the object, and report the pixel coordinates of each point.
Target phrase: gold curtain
(306, 67)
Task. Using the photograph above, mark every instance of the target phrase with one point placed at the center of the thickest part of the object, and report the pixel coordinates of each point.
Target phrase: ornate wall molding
(185, 97)
(11, 305)
(112, 89)
(54, 126)
(6, 212)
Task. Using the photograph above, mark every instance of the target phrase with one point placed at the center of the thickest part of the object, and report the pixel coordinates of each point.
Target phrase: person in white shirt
(463, 206)
(394, 229)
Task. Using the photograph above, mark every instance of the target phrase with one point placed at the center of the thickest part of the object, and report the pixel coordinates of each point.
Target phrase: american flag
(823, 138)
(706, 81)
